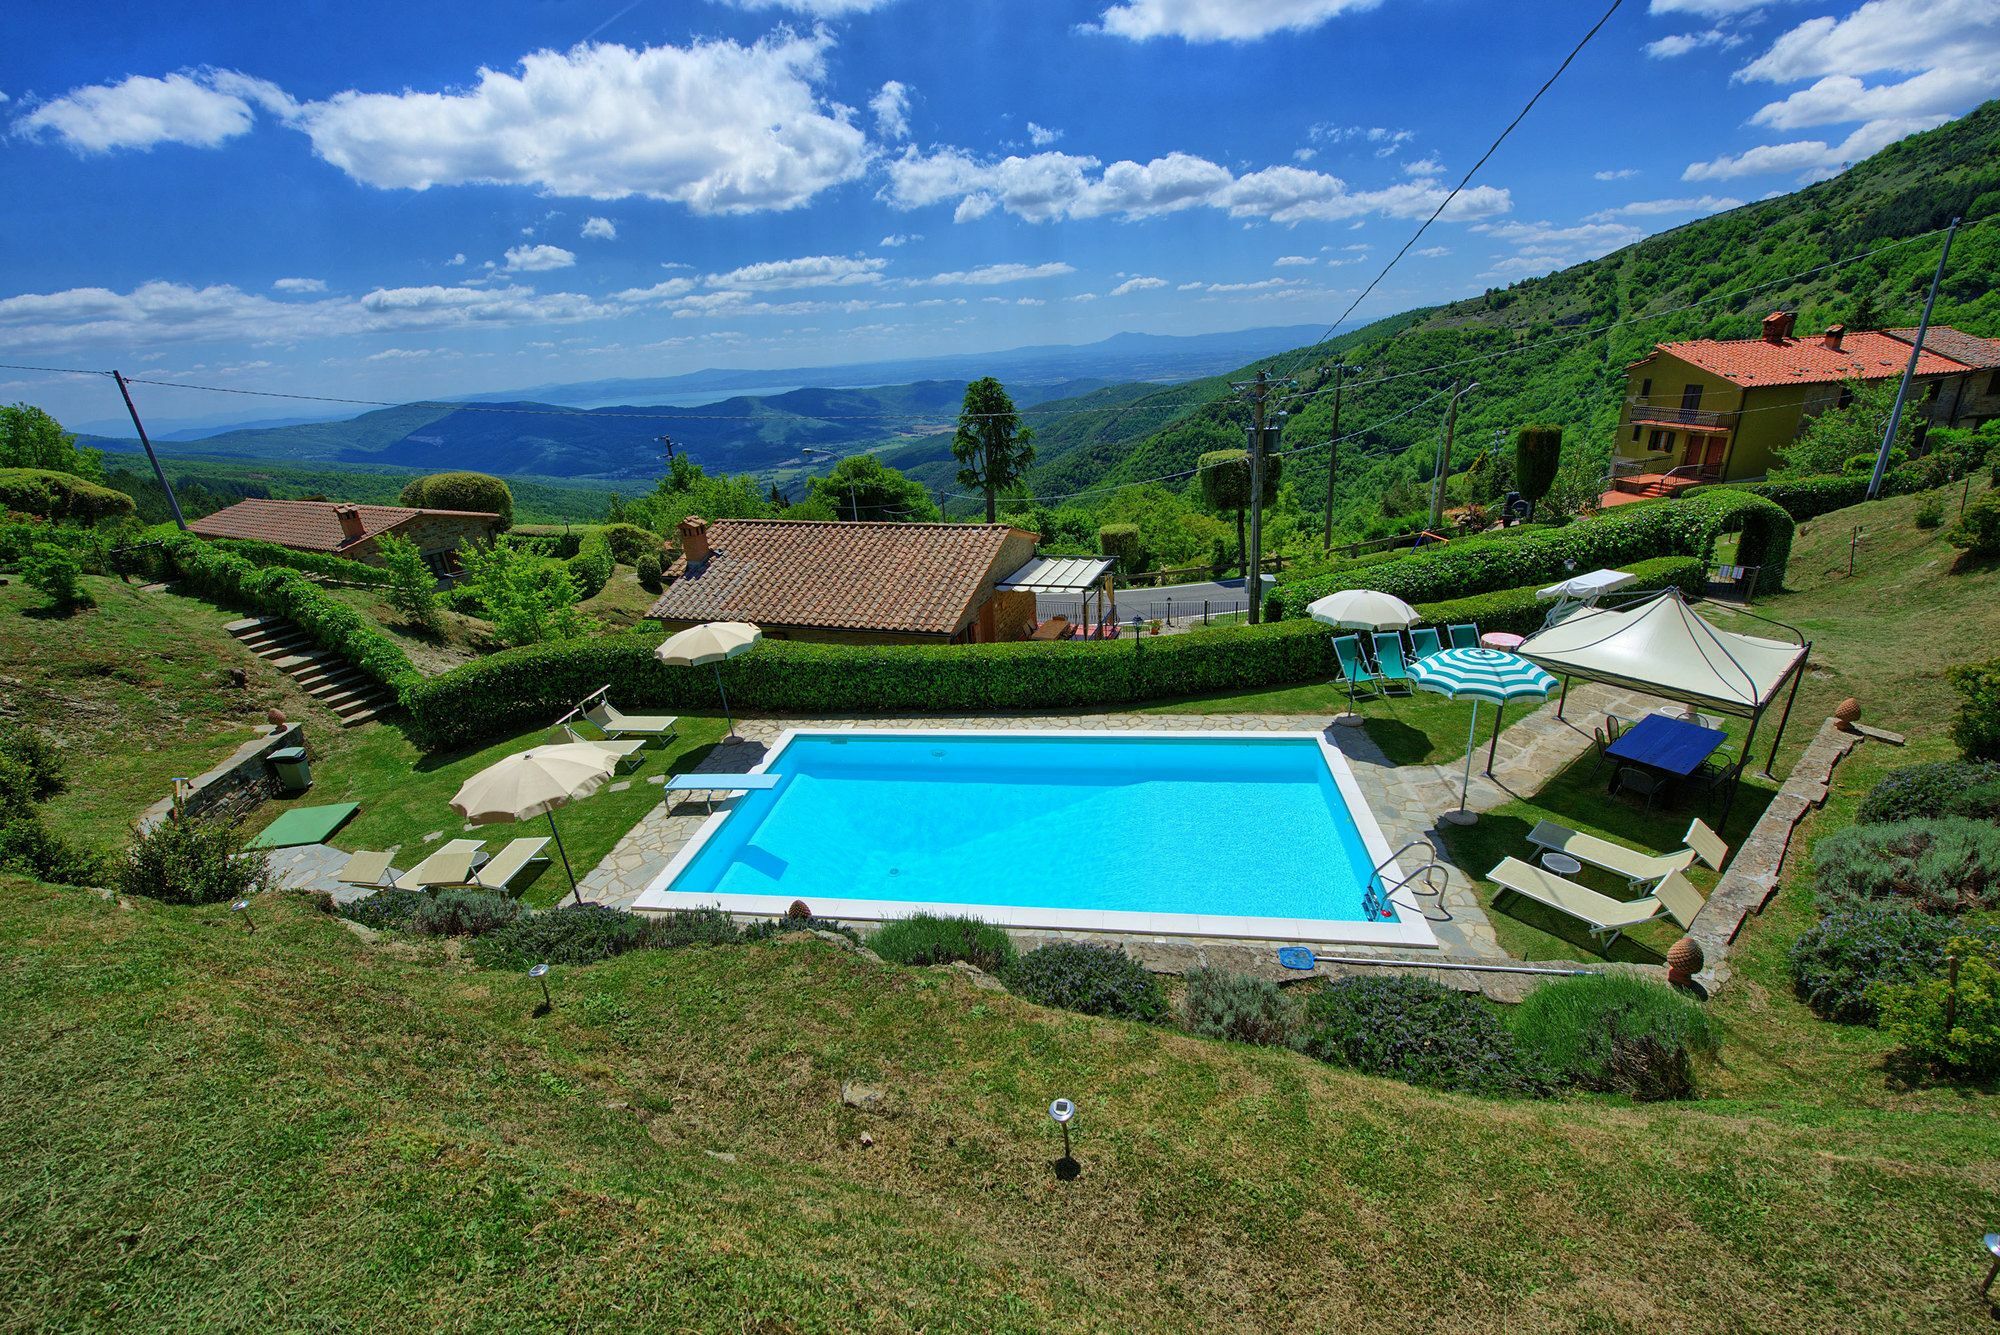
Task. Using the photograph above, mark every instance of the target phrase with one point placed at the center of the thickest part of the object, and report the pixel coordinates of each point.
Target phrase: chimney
(693, 534)
(1830, 340)
(1778, 326)
(350, 523)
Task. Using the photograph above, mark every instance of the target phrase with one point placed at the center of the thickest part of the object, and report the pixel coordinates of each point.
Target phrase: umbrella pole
(1499, 713)
(563, 853)
(1462, 816)
(725, 704)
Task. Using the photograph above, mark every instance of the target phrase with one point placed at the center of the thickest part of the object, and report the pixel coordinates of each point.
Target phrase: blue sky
(393, 201)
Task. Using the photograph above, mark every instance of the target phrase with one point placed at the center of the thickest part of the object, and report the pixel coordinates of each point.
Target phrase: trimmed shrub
(30, 847)
(648, 568)
(463, 913)
(587, 933)
(1930, 514)
(1977, 531)
(188, 860)
(462, 491)
(690, 927)
(1419, 1032)
(1837, 962)
(1537, 456)
(1977, 727)
(1615, 1034)
(592, 565)
(313, 563)
(53, 495)
(926, 938)
(1123, 544)
(1948, 865)
(1237, 1007)
(1940, 788)
(772, 928)
(629, 542)
(385, 910)
(58, 576)
(1947, 1025)
(1096, 980)
(40, 765)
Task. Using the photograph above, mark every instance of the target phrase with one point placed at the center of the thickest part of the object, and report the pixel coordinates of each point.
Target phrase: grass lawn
(1416, 729)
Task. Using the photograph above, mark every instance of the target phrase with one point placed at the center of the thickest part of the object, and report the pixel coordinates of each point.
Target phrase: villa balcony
(1642, 413)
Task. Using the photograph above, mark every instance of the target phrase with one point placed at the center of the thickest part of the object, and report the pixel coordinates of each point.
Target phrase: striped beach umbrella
(1476, 675)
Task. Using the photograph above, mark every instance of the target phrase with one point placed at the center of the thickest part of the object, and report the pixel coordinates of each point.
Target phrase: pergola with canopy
(1660, 646)
(1080, 577)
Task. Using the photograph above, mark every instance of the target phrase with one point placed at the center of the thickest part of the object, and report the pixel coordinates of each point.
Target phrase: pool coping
(1411, 929)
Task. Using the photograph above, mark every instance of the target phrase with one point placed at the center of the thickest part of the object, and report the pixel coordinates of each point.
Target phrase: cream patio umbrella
(534, 783)
(708, 644)
(1361, 609)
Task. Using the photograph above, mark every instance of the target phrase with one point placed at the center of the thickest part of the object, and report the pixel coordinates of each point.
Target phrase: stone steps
(325, 676)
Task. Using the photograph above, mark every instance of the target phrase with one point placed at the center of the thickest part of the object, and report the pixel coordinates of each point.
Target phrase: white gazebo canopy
(1057, 574)
(1663, 648)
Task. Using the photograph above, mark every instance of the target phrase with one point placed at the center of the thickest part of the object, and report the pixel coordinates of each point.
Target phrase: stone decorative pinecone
(1684, 960)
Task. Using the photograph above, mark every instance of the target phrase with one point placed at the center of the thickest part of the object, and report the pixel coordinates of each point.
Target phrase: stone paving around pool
(1406, 800)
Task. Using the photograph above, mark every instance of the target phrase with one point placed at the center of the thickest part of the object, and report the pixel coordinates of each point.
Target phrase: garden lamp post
(540, 973)
(1061, 1112)
(242, 906)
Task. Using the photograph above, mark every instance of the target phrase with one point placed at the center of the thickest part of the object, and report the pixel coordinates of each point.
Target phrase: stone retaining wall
(247, 767)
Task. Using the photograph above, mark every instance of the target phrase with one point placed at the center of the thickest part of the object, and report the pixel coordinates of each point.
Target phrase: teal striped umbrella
(1480, 674)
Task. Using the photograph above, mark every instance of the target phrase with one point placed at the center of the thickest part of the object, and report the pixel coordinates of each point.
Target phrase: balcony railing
(1644, 413)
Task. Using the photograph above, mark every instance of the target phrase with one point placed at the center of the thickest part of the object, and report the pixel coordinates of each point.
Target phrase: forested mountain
(1554, 349)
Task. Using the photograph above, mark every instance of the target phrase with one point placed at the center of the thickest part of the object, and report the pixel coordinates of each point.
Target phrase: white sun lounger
(1679, 897)
(366, 868)
(615, 724)
(1607, 918)
(509, 862)
(1635, 866)
(450, 865)
(627, 750)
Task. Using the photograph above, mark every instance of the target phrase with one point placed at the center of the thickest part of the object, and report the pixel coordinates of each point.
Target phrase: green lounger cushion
(305, 825)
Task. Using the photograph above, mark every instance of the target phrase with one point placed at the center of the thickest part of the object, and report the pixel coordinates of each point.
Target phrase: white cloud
(1304, 154)
(538, 259)
(807, 271)
(1082, 296)
(1429, 166)
(299, 285)
(1261, 285)
(1543, 247)
(599, 229)
(1813, 159)
(664, 290)
(816, 9)
(1712, 9)
(717, 126)
(455, 260)
(895, 239)
(1138, 283)
(1189, 287)
(1044, 187)
(1386, 140)
(1649, 208)
(1291, 261)
(891, 105)
(1219, 20)
(398, 354)
(1041, 136)
(1433, 252)
(1616, 174)
(987, 275)
(1679, 44)
(200, 108)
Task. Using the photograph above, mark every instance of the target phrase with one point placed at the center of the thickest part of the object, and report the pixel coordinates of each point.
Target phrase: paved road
(1175, 600)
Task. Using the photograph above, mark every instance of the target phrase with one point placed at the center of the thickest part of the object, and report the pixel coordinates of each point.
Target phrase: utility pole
(1444, 453)
(1910, 369)
(1258, 391)
(173, 502)
(667, 443)
(1332, 455)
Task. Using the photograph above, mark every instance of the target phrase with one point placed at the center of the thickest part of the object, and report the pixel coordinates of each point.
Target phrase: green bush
(385, 910)
(629, 542)
(1237, 1007)
(650, 578)
(480, 492)
(53, 495)
(412, 586)
(40, 764)
(57, 575)
(926, 938)
(1978, 529)
(28, 846)
(588, 933)
(463, 913)
(1616, 1034)
(1930, 513)
(771, 928)
(1838, 961)
(189, 860)
(1096, 980)
(313, 563)
(592, 565)
(1947, 865)
(1945, 1025)
(1122, 543)
(1419, 1032)
(1940, 788)
(1977, 727)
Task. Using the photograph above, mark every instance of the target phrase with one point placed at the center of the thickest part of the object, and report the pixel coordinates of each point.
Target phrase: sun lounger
(712, 784)
(1424, 640)
(1389, 662)
(366, 868)
(1465, 637)
(1706, 843)
(625, 749)
(1607, 918)
(615, 724)
(1347, 648)
(450, 865)
(509, 862)
(1679, 897)
(1635, 866)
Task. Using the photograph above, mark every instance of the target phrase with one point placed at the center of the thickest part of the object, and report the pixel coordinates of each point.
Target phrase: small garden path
(1406, 800)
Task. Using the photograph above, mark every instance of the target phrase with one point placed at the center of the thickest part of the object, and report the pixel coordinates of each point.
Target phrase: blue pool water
(1232, 826)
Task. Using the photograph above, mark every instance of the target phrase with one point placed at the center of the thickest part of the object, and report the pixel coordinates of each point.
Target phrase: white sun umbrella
(710, 643)
(1479, 674)
(1361, 609)
(534, 783)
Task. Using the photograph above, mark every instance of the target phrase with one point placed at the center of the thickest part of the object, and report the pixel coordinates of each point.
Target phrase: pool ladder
(1430, 874)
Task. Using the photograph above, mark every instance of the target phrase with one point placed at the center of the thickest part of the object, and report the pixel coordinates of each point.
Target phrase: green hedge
(49, 494)
(1687, 527)
(593, 563)
(225, 577)
(1806, 498)
(268, 554)
(508, 691)
(1977, 728)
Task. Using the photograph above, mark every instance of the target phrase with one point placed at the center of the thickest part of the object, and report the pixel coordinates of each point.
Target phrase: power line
(1467, 178)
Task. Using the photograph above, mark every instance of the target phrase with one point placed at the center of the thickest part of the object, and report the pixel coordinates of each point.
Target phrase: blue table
(1671, 745)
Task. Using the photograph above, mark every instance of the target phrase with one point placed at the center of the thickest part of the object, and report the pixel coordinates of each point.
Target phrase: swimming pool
(1183, 833)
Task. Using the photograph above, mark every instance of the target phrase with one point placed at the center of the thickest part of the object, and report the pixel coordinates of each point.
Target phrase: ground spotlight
(1061, 1112)
(242, 906)
(540, 973)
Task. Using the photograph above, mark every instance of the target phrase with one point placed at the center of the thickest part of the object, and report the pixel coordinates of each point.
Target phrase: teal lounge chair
(1465, 637)
(1424, 640)
(1389, 661)
(1347, 648)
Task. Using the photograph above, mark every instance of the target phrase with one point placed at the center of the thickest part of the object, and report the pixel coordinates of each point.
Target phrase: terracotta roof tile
(909, 578)
(1960, 347)
(1756, 362)
(310, 526)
